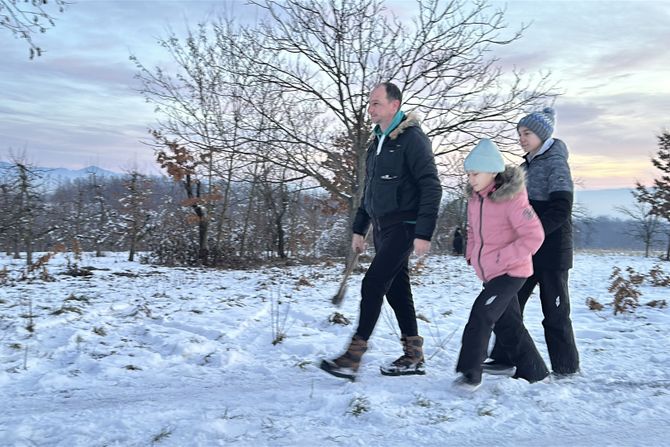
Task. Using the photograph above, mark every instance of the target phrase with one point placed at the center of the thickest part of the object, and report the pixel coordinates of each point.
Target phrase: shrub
(658, 277)
(593, 304)
(626, 295)
(661, 304)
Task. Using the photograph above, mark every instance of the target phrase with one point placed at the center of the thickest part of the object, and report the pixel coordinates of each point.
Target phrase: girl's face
(480, 180)
(529, 141)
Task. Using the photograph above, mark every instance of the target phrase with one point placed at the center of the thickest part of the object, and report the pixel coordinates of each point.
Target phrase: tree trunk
(133, 243)
(203, 253)
(17, 248)
(247, 217)
(281, 234)
(200, 212)
(28, 241)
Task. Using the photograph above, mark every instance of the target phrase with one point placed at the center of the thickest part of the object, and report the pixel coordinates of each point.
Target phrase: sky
(143, 355)
(78, 104)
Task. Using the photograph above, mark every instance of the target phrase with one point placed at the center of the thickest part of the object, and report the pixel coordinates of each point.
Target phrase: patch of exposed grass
(80, 298)
(66, 309)
(358, 406)
(164, 434)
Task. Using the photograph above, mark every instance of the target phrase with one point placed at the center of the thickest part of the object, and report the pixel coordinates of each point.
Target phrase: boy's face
(480, 180)
(529, 141)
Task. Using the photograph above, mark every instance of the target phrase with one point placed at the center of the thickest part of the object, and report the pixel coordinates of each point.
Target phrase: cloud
(603, 171)
(78, 104)
(626, 122)
(588, 39)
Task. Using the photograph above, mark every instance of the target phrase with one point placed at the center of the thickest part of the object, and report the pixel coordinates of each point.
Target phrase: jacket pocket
(385, 196)
(390, 163)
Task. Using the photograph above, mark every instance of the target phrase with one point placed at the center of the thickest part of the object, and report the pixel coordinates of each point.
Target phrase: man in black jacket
(550, 191)
(401, 201)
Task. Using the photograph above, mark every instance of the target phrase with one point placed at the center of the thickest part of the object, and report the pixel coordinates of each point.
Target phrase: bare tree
(135, 216)
(102, 215)
(197, 137)
(26, 18)
(292, 90)
(24, 198)
(646, 225)
(319, 60)
(182, 167)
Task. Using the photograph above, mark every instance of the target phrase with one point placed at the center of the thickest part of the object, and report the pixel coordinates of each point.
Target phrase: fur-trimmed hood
(411, 120)
(512, 181)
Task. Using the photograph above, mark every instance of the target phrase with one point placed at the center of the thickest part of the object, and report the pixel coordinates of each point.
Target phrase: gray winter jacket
(550, 192)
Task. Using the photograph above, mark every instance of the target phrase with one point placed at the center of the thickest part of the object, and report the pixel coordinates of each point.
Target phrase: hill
(602, 202)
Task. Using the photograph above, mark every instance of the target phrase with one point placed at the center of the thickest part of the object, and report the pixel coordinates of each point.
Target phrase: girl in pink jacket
(503, 234)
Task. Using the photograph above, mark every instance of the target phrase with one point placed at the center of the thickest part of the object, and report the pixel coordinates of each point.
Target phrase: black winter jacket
(550, 192)
(401, 183)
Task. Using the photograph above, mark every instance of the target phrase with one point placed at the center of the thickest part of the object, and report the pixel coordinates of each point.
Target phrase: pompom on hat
(540, 123)
(485, 157)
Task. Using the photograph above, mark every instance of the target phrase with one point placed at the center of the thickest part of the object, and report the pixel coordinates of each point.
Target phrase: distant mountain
(70, 174)
(52, 177)
(67, 173)
(602, 202)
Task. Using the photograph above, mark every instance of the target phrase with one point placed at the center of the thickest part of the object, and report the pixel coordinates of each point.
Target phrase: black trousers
(558, 333)
(388, 275)
(497, 305)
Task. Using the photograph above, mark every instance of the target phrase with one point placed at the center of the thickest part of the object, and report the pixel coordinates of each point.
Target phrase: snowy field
(137, 355)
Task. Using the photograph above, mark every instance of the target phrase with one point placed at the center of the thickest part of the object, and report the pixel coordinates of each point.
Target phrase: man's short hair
(392, 91)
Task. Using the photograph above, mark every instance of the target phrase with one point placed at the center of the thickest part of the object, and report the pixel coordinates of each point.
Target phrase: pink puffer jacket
(503, 230)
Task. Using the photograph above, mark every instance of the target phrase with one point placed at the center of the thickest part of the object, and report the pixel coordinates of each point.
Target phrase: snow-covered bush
(334, 241)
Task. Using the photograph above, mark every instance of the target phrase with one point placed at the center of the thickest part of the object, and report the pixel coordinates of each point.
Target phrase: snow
(143, 355)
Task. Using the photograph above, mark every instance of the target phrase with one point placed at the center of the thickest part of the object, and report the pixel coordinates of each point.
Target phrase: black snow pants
(558, 332)
(497, 305)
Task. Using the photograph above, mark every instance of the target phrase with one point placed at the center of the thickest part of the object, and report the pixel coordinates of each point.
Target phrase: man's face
(382, 110)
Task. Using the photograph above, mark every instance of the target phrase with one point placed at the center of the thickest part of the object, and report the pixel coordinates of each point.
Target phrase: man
(401, 201)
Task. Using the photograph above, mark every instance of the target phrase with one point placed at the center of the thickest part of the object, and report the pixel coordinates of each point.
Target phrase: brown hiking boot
(346, 365)
(411, 362)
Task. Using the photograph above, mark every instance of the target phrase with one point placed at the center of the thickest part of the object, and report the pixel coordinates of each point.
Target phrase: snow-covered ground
(137, 355)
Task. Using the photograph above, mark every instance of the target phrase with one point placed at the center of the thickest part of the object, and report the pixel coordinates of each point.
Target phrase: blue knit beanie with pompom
(540, 123)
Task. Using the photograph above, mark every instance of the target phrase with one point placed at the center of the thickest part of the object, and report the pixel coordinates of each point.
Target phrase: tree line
(256, 222)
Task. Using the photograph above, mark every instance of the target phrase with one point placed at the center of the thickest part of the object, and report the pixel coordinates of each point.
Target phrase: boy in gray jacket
(550, 192)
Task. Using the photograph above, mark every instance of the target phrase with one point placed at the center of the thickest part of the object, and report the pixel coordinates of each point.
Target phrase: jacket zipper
(370, 178)
(481, 236)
